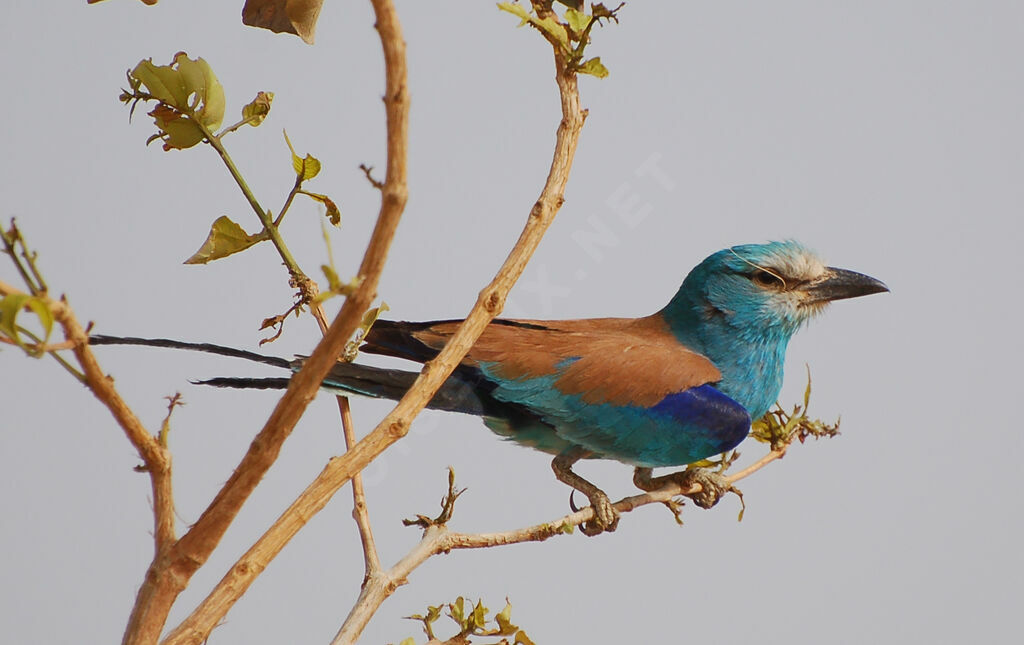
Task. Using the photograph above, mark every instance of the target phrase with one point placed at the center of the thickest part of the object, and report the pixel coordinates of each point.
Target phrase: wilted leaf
(283, 16)
(257, 110)
(225, 238)
(332, 213)
(176, 129)
(593, 67)
(523, 639)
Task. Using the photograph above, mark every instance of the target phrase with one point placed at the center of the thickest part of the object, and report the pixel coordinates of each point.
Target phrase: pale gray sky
(886, 135)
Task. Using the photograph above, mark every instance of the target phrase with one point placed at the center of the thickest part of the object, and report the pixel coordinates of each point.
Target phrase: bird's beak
(839, 284)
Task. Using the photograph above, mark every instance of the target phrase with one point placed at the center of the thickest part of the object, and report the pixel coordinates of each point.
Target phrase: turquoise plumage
(663, 390)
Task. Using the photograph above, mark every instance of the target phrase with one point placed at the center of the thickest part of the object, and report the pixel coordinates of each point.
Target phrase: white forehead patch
(801, 264)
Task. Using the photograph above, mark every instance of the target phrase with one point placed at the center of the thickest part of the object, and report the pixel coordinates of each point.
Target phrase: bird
(668, 389)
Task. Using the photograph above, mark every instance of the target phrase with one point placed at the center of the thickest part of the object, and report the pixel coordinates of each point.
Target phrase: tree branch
(437, 539)
(155, 457)
(158, 593)
(489, 303)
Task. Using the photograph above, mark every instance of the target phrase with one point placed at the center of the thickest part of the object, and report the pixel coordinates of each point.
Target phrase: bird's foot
(712, 485)
(606, 518)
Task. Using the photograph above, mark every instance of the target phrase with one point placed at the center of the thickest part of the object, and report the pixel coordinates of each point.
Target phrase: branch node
(492, 301)
(398, 428)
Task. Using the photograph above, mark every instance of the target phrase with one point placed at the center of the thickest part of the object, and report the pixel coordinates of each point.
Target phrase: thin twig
(288, 200)
(234, 126)
(360, 511)
(10, 239)
(759, 464)
(368, 171)
(438, 539)
(264, 216)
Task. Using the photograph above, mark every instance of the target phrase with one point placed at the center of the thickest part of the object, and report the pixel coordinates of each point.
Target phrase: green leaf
(200, 82)
(548, 25)
(516, 10)
(504, 620)
(578, 21)
(458, 612)
(478, 619)
(256, 111)
(433, 613)
(163, 82)
(225, 238)
(594, 67)
(408, 641)
(14, 304)
(189, 94)
(305, 168)
(371, 317)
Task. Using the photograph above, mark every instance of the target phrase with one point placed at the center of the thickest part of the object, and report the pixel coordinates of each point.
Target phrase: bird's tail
(455, 394)
(99, 339)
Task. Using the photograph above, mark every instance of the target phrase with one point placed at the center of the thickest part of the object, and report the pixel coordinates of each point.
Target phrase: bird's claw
(713, 485)
(606, 518)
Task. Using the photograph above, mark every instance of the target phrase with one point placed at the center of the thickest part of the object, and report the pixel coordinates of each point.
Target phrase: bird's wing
(624, 389)
(621, 361)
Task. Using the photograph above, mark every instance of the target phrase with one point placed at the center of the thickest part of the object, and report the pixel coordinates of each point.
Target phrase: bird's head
(772, 288)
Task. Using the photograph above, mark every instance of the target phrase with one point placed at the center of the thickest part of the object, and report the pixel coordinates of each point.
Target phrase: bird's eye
(765, 279)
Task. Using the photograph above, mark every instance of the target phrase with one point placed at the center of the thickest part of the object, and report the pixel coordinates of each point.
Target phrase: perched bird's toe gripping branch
(606, 518)
(668, 389)
(712, 485)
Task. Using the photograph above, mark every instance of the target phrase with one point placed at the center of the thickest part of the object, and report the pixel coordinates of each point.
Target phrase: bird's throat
(750, 357)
